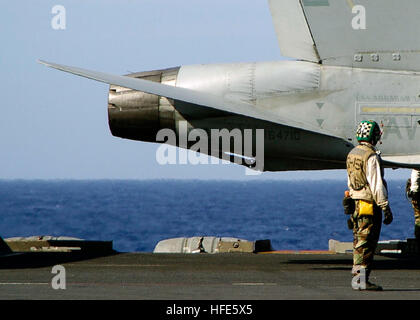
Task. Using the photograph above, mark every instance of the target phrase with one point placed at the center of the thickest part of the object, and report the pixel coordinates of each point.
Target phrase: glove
(348, 204)
(388, 215)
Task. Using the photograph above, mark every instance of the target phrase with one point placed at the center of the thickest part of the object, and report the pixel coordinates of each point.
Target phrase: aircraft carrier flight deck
(273, 275)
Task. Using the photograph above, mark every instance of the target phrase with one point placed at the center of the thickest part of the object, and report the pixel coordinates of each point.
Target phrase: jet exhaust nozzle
(138, 115)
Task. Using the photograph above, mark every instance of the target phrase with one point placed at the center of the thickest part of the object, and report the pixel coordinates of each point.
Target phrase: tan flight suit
(367, 218)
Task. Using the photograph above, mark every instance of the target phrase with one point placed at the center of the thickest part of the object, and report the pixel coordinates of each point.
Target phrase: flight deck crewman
(369, 190)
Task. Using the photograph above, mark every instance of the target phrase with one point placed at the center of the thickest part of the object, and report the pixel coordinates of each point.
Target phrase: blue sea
(136, 215)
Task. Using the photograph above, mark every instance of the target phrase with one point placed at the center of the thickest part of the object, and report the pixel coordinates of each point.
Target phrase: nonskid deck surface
(237, 276)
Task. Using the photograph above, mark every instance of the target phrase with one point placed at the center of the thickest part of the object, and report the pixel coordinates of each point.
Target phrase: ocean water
(136, 215)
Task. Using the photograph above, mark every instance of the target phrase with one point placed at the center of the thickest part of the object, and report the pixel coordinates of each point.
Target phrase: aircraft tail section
(293, 33)
(194, 97)
(374, 34)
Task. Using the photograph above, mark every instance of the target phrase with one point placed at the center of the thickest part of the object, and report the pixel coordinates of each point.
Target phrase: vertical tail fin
(292, 29)
(374, 34)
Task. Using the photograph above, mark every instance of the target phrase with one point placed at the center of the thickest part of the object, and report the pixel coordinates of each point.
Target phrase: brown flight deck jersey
(357, 170)
(366, 175)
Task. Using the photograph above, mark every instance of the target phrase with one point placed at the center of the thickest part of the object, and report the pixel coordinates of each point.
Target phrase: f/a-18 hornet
(351, 60)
